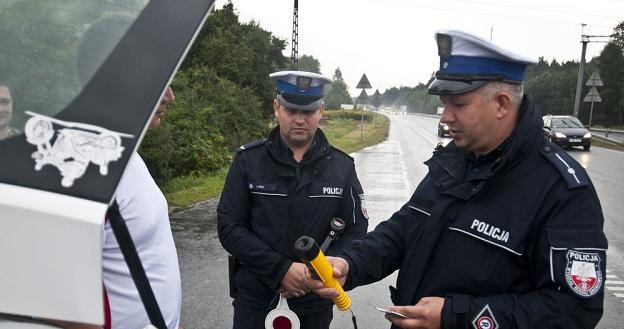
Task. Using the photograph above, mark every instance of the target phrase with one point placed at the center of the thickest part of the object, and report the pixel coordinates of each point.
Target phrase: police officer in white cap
(506, 230)
(290, 184)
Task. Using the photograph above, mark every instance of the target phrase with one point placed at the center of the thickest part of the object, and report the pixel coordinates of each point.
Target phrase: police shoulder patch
(583, 273)
(250, 145)
(569, 169)
(363, 206)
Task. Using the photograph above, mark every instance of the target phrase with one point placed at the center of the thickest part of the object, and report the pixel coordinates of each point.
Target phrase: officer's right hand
(341, 269)
(295, 281)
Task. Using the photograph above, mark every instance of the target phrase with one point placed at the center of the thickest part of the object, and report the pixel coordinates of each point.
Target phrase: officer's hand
(427, 313)
(341, 269)
(296, 281)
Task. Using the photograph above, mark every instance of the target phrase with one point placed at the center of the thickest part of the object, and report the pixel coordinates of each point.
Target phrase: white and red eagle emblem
(583, 272)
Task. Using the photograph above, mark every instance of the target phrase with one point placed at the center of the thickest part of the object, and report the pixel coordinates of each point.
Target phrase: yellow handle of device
(307, 249)
(325, 272)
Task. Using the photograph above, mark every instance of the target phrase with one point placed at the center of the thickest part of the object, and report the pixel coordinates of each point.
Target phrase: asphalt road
(389, 173)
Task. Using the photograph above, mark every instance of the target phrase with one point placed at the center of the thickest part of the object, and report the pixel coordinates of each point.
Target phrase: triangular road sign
(592, 96)
(363, 96)
(363, 84)
(376, 98)
(594, 80)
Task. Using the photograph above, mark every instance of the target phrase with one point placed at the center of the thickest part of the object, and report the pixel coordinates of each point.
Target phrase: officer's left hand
(340, 270)
(427, 313)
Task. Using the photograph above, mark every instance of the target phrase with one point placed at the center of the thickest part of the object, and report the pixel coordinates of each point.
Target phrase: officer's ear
(322, 109)
(504, 103)
(276, 106)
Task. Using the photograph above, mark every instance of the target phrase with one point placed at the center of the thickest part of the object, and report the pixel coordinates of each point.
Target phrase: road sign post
(593, 96)
(363, 84)
(362, 98)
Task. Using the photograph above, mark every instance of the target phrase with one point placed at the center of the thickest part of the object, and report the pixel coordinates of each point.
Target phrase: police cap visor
(453, 87)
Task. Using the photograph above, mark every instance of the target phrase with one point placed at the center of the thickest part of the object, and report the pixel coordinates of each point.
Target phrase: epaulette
(565, 164)
(251, 145)
(341, 152)
(439, 148)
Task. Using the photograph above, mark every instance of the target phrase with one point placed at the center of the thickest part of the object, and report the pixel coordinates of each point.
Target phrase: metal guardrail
(619, 141)
(607, 131)
(608, 140)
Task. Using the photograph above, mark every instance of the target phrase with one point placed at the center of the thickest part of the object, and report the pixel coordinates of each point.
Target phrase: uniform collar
(491, 156)
(525, 138)
(286, 153)
(280, 150)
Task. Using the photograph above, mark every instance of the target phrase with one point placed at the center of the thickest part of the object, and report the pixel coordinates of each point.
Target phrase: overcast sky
(392, 40)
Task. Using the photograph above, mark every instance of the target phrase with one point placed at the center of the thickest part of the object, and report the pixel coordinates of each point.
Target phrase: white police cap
(467, 62)
(299, 89)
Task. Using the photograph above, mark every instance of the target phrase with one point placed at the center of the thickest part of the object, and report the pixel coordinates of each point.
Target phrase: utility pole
(579, 82)
(585, 39)
(294, 53)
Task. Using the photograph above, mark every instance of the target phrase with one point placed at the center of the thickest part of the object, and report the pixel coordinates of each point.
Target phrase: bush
(210, 118)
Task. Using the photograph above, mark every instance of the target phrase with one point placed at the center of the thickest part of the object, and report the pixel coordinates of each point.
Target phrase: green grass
(187, 190)
(599, 143)
(341, 127)
(344, 132)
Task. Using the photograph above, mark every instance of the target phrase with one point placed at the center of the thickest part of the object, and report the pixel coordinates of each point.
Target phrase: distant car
(443, 129)
(566, 131)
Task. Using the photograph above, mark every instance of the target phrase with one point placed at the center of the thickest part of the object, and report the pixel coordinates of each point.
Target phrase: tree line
(224, 98)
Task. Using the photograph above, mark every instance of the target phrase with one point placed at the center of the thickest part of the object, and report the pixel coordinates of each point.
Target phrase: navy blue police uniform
(268, 202)
(512, 239)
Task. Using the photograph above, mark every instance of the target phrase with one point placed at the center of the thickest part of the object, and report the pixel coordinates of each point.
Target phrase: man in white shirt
(144, 208)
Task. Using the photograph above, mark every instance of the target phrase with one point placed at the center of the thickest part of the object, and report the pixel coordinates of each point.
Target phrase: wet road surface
(203, 263)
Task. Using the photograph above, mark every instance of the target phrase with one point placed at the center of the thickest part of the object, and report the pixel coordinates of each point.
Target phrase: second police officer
(290, 184)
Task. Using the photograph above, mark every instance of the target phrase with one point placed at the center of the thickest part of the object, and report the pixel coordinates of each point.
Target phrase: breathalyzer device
(313, 256)
(336, 226)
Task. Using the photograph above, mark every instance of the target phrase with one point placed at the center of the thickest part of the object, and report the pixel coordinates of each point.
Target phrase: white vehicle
(72, 136)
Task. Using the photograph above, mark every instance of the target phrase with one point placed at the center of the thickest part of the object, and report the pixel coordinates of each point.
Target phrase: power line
(446, 10)
(537, 9)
